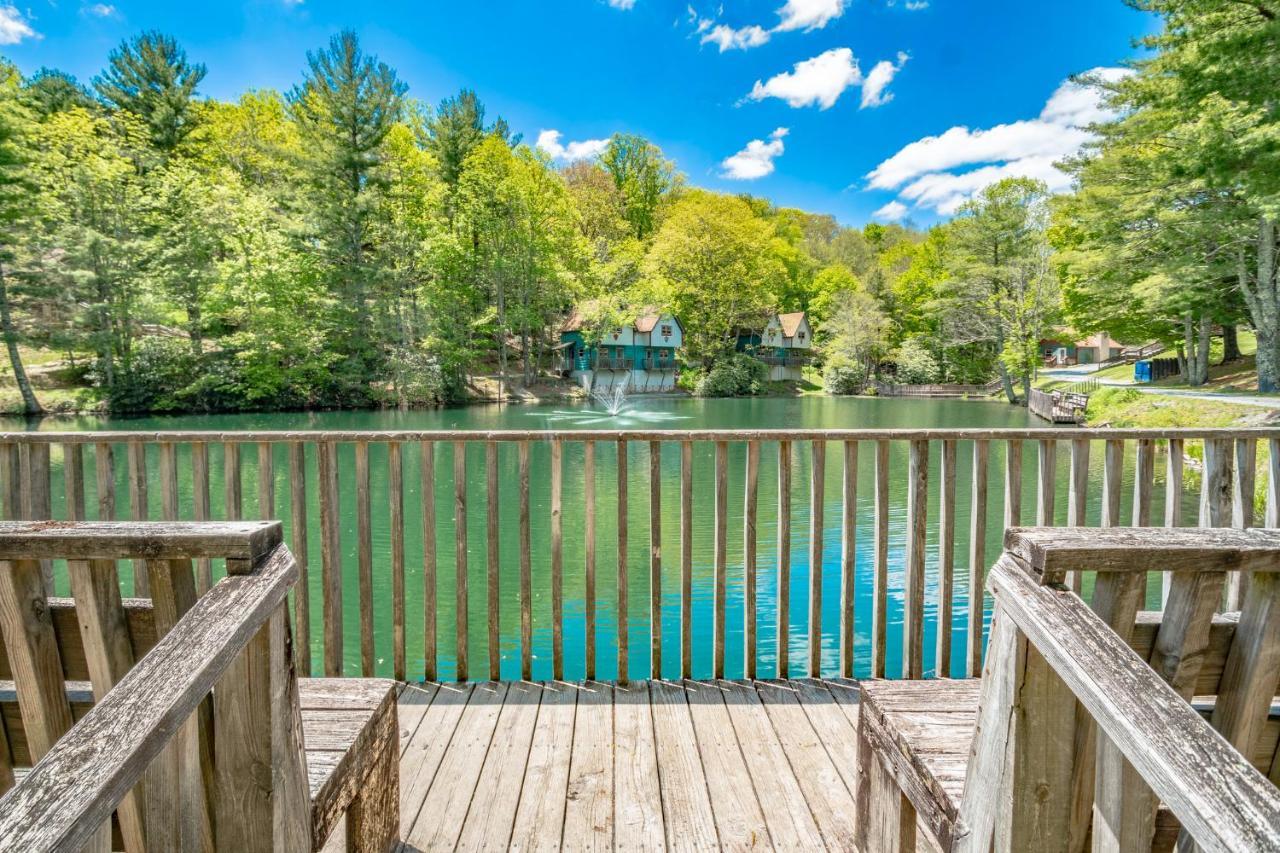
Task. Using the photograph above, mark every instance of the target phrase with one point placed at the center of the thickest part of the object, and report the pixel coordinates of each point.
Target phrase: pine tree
(150, 77)
(15, 190)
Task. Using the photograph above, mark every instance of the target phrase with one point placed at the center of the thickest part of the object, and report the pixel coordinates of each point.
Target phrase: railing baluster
(137, 461)
(330, 557)
(686, 559)
(1112, 478)
(105, 471)
(200, 512)
(655, 559)
(492, 582)
(1144, 479)
(817, 480)
(622, 563)
(168, 475)
(589, 554)
(880, 569)
(11, 474)
(913, 592)
(1172, 504)
(720, 556)
(946, 557)
(751, 501)
(1013, 484)
(231, 488)
(784, 558)
(1077, 498)
(395, 487)
(364, 558)
(977, 558)
(460, 556)
(266, 480)
(1046, 482)
(73, 477)
(1273, 482)
(427, 486)
(1242, 515)
(526, 570)
(557, 560)
(298, 544)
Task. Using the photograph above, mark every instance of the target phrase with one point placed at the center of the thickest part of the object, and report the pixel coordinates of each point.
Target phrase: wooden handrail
(1213, 790)
(122, 540)
(1053, 551)
(72, 791)
(697, 435)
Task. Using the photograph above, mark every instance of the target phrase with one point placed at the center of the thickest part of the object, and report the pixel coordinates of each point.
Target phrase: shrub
(739, 375)
(844, 379)
(916, 366)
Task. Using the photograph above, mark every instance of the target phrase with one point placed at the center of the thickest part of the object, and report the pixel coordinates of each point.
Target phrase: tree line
(346, 244)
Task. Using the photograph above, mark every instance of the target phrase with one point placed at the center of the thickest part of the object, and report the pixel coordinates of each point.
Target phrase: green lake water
(658, 413)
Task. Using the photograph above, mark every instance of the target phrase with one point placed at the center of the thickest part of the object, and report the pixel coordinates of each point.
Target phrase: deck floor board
(654, 765)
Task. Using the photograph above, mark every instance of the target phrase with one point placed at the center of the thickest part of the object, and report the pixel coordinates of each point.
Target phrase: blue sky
(834, 106)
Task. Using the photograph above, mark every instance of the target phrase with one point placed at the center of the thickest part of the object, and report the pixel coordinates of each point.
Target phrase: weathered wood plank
(786, 813)
(492, 812)
(637, 806)
(784, 559)
(946, 560)
(298, 544)
(138, 511)
(1139, 550)
(426, 749)
(454, 781)
(1078, 497)
(1046, 481)
(739, 819)
(588, 814)
(200, 511)
(689, 821)
(1112, 481)
(33, 654)
(539, 821)
(1013, 483)
(1222, 800)
(65, 798)
(87, 540)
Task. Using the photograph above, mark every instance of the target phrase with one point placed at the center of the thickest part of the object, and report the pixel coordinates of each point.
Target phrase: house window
(666, 331)
(801, 336)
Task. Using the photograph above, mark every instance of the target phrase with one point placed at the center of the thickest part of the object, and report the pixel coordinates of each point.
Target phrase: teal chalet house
(642, 354)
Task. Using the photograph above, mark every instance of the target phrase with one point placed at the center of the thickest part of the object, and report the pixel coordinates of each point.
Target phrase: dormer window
(666, 331)
(801, 336)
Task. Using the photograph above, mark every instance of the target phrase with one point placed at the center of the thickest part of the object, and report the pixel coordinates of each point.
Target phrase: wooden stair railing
(196, 738)
(1078, 740)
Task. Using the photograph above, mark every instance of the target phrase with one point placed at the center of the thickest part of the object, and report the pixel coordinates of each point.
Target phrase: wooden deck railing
(916, 527)
(178, 742)
(1044, 772)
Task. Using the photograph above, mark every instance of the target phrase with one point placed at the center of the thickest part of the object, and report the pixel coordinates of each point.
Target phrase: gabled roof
(791, 323)
(645, 323)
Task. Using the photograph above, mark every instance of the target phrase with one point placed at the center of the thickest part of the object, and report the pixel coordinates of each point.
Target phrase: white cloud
(549, 141)
(101, 10)
(808, 15)
(917, 5)
(756, 160)
(13, 27)
(820, 80)
(727, 38)
(879, 78)
(894, 211)
(622, 4)
(941, 172)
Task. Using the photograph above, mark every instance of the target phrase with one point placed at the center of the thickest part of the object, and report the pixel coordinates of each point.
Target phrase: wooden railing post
(880, 569)
(720, 533)
(364, 557)
(913, 592)
(557, 561)
(427, 487)
(1078, 499)
(686, 559)
(817, 505)
(137, 459)
(460, 575)
(655, 559)
(977, 558)
(749, 562)
(526, 573)
(200, 512)
(623, 626)
(395, 497)
(298, 544)
(784, 559)
(848, 556)
(330, 557)
(493, 591)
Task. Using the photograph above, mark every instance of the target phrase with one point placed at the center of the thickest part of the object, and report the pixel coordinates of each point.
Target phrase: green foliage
(149, 76)
(844, 379)
(915, 364)
(738, 375)
(644, 178)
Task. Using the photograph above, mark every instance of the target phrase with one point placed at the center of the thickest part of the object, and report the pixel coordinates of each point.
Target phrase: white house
(641, 353)
(785, 344)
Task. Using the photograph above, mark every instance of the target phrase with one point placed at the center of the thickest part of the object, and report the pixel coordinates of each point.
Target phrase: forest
(345, 244)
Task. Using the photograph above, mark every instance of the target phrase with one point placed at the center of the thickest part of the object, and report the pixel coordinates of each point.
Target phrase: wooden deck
(681, 765)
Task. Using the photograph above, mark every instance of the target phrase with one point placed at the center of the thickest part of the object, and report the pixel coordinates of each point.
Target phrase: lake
(641, 413)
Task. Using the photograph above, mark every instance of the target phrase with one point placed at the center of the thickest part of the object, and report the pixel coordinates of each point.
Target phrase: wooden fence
(1226, 498)
(889, 389)
(1058, 407)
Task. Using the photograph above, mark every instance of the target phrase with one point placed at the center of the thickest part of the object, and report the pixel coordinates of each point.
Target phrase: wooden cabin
(642, 353)
(1063, 350)
(783, 343)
